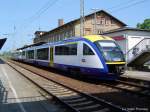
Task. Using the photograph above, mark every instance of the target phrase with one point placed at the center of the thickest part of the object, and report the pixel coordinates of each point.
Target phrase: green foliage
(5, 54)
(144, 25)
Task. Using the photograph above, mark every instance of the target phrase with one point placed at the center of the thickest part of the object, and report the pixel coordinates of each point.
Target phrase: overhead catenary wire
(45, 9)
(41, 11)
(130, 4)
(50, 3)
(28, 22)
(120, 4)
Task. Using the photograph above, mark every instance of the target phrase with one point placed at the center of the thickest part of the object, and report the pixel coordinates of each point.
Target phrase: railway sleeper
(63, 90)
(72, 98)
(83, 99)
(59, 93)
(65, 95)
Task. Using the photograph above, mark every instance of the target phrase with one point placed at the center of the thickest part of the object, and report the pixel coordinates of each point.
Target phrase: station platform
(137, 75)
(17, 94)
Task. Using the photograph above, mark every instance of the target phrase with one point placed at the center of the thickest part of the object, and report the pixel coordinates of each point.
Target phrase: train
(92, 56)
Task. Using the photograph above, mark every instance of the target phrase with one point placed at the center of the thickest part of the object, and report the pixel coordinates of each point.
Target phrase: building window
(70, 49)
(59, 37)
(50, 39)
(112, 22)
(87, 31)
(107, 21)
(102, 21)
(100, 31)
(55, 38)
(66, 34)
(87, 50)
(70, 33)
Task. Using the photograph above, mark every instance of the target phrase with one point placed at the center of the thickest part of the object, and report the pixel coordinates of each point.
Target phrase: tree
(144, 25)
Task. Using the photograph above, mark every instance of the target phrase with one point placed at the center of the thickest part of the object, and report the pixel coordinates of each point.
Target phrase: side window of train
(42, 53)
(30, 54)
(87, 50)
(70, 49)
(23, 53)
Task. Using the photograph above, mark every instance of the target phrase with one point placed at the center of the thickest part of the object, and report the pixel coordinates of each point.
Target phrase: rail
(75, 100)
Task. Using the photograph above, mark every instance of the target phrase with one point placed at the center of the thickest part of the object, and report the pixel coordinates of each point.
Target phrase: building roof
(72, 22)
(2, 41)
(38, 32)
(31, 45)
(125, 29)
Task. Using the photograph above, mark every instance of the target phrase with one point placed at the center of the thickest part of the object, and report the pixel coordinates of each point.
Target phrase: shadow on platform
(30, 104)
(3, 93)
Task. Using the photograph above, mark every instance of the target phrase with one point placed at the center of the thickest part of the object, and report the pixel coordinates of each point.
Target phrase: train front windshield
(110, 51)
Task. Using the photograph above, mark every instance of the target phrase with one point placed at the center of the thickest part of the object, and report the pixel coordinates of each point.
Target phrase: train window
(87, 50)
(23, 53)
(42, 54)
(30, 54)
(70, 49)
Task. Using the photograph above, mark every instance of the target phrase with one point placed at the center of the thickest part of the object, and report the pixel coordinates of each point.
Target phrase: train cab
(111, 52)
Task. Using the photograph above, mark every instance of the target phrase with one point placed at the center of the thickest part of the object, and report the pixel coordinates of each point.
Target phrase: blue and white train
(93, 56)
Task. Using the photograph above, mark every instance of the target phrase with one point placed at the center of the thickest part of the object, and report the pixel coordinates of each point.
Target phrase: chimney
(60, 22)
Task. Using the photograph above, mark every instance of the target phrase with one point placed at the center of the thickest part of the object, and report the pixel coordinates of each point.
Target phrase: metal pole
(126, 51)
(14, 42)
(81, 17)
(95, 21)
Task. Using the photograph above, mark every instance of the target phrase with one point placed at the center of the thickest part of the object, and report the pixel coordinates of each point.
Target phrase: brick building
(104, 22)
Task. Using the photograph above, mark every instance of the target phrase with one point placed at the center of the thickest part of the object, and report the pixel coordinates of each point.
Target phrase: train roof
(91, 38)
(94, 38)
(32, 45)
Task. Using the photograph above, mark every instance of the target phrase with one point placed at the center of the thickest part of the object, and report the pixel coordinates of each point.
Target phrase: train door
(51, 57)
(86, 56)
(89, 57)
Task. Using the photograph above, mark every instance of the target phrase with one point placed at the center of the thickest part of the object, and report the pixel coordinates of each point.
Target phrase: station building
(98, 24)
(135, 44)
(128, 37)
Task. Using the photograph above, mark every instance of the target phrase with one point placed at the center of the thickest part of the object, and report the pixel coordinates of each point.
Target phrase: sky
(19, 19)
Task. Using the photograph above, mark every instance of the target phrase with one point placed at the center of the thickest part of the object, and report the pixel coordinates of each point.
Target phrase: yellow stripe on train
(115, 63)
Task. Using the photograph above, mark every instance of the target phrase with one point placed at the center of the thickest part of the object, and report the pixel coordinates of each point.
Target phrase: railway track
(75, 100)
(139, 82)
(134, 88)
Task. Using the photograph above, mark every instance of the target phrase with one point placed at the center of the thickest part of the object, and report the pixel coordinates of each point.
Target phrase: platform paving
(17, 94)
(138, 75)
